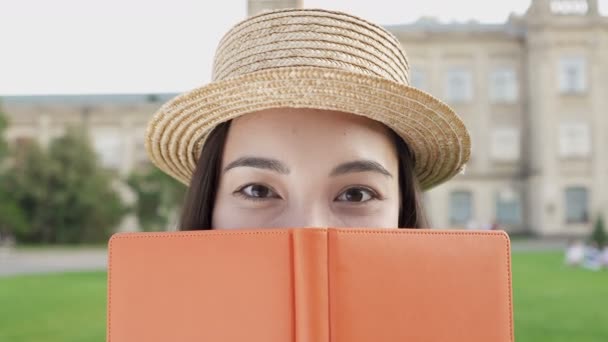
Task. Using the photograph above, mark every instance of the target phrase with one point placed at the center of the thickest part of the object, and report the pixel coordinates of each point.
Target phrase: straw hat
(310, 58)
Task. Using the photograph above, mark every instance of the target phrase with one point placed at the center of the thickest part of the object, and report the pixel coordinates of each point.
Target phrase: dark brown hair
(200, 197)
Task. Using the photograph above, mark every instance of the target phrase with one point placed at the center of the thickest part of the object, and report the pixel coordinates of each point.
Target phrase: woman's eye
(356, 195)
(256, 192)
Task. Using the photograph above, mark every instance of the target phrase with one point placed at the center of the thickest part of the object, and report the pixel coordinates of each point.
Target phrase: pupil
(259, 191)
(354, 195)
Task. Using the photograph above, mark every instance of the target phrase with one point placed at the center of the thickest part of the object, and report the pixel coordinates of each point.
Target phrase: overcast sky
(137, 46)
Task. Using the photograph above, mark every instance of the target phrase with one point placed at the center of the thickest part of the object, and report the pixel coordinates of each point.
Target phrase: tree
(3, 143)
(12, 218)
(66, 196)
(599, 233)
(158, 197)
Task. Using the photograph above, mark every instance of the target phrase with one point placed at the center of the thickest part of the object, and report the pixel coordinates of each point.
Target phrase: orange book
(310, 284)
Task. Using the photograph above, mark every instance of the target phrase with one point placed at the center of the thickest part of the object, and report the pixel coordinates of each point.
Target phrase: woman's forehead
(301, 134)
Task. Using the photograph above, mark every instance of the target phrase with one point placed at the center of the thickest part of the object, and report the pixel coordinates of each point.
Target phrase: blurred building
(256, 6)
(533, 92)
(115, 123)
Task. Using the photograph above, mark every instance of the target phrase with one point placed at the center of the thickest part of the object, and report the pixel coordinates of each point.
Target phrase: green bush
(3, 143)
(158, 197)
(12, 218)
(65, 196)
(599, 233)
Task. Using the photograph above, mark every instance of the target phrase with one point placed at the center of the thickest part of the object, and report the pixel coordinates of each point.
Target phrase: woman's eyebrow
(360, 166)
(260, 163)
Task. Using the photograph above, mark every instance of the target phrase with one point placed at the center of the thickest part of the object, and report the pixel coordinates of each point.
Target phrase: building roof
(432, 25)
(88, 99)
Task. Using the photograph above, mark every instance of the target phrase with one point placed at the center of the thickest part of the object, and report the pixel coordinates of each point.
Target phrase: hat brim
(436, 135)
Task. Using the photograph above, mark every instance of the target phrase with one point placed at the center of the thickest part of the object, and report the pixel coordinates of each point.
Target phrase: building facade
(115, 123)
(256, 6)
(532, 91)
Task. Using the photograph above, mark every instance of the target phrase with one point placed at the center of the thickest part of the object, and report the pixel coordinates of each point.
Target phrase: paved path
(538, 245)
(20, 261)
(13, 262)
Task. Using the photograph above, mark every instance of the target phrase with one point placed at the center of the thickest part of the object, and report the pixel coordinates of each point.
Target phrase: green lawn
(556, 303)
(53, 308)
(552, 303)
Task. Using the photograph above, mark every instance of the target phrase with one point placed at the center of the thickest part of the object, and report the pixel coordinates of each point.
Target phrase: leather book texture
(310, 284)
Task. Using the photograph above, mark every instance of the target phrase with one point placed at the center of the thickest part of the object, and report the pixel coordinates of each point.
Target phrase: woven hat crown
(310, 58)
(310, 37)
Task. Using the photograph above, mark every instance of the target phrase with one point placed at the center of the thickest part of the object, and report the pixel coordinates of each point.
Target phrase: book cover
(310, 284)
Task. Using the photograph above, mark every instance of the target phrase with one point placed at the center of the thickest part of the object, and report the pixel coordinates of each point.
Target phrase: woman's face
(293, 167)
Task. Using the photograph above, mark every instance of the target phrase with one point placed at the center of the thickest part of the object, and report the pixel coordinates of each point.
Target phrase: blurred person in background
(592, 259)
(575, 253)
(604, 257)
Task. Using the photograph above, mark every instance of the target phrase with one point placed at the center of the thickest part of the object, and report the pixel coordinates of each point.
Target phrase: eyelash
(239, 192)
(373, 194)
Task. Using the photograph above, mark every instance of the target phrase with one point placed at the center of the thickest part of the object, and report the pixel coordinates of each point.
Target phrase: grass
(556, 303)
(66, 307)
(552, 303)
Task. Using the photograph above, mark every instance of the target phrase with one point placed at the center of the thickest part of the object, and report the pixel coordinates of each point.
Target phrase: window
(461, 207)
(577, 210)
(505, 144)
(140, 156)
(418, 79)
(108, 145)
(572, 75)
(23, 141)
(508, 207)
(574, 140)
(459, 85)
(503, 85)
(426, 199)
(572, 7)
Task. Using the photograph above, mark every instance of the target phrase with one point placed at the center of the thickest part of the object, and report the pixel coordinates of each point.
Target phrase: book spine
(311, 302)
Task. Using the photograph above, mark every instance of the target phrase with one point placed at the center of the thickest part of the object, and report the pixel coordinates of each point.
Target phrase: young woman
(309, 122)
